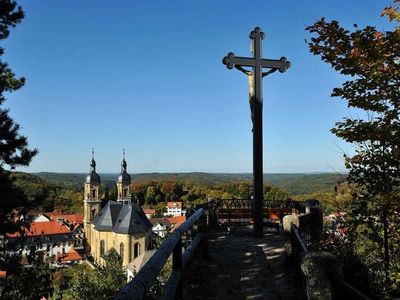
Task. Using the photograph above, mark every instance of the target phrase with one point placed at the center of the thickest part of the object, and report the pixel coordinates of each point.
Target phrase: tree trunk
(386, 242)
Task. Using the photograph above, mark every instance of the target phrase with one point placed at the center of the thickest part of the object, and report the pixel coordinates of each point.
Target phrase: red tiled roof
(72, 218)
(3, 274)
(171, 204)
(177, 221)
(43, 228)
(162, 221)
(71, 255)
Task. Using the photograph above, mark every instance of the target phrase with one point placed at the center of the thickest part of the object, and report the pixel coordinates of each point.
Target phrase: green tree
(111, 277)
(29, 282)
(139, 191)
(102, 283)
(14, 152)
(84, 286)
(14, 149)
(371, 61)
(150, 195)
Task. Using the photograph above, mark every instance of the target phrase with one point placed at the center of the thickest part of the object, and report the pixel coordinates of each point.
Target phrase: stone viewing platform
(239, 266)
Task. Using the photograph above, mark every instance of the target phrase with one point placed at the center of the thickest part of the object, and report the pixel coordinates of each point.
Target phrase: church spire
(123, 163)
(93, 177)
(93, 163)
(124, 182)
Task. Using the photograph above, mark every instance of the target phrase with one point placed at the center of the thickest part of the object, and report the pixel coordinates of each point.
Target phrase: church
(119, 224)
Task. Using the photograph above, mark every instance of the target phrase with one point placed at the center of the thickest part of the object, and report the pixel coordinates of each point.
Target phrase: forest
(61, 191)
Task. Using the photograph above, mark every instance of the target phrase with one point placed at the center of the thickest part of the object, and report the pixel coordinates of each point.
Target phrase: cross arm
(231, 61)
(280, 64)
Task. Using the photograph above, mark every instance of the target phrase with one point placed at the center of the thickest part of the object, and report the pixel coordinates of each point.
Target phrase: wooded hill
(293, 183)
(63, 191)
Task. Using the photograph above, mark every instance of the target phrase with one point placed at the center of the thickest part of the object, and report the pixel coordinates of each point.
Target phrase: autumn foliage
(370, 61)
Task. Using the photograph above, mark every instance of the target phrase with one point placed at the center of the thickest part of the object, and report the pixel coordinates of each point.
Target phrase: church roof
(106, 218)
(122, 218)
(93, 177)
(125, 178)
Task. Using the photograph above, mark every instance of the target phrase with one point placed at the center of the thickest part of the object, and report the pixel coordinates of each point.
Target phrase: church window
(125, 193)
(102, 247)
(121, 250)
(94, 193)
(92, 213)
(136, 250)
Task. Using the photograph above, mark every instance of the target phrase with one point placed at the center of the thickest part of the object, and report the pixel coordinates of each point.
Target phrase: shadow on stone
(240, 266)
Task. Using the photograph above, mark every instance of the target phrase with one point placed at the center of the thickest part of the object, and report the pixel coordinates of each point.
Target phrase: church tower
(124, 183)
(92, 201)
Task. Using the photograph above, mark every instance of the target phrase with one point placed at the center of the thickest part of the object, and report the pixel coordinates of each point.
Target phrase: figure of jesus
(250, 76)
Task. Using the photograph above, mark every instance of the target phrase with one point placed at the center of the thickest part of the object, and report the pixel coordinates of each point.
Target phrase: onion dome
(124, 177)
(93, 177)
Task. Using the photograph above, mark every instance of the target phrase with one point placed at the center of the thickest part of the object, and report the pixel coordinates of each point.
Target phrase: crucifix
(255, 75)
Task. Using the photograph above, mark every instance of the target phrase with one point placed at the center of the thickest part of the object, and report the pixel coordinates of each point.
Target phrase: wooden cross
(257, 63)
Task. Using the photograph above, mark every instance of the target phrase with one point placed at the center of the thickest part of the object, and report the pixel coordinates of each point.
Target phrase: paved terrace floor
(240, 266)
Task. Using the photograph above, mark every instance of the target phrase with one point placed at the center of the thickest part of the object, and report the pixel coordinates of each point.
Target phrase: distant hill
(295, 183)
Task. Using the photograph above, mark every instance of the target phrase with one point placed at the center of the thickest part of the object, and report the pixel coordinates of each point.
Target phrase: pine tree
(14, 149)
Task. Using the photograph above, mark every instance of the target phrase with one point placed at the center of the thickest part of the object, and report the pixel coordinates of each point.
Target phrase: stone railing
(321, 272)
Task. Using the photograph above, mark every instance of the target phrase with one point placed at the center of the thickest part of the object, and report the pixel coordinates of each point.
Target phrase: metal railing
(239, 212)
(298, 245)
(344, 290)
(247, 203)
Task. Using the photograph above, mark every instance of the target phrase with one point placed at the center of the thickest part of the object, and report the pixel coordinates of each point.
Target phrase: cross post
(256, 63)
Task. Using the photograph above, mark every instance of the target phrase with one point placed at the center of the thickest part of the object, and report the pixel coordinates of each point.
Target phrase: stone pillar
(318, 268)
(288, 220)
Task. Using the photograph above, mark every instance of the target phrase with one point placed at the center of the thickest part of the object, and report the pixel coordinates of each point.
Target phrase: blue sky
(147, 76)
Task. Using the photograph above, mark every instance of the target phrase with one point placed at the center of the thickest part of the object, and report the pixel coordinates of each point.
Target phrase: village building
(120, 225)
(51, 238)
(71, 257)
(161, 226)
(174, 209)
(176, 222)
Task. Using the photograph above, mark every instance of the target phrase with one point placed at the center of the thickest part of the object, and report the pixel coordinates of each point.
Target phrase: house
(41, 218)
(71, 257)
(174, 209)
(161, 226)
(176, 222)
(67, 218)
(51, 238)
